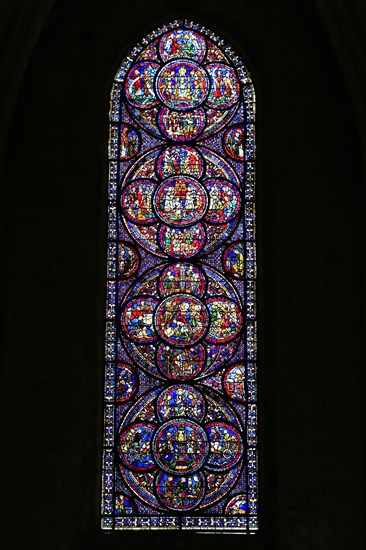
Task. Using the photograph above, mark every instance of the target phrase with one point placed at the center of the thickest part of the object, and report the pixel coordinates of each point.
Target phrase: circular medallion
(234, 142)
(136, 202)
(181, 320)
(180, 364)
(137, 319)
(130, 142)
(224, 201)
(128, 260)
(182, 277)
(180, 400)
(134, 446)
(182, 43)
(233, 260)
(181, 125)
(180, 201)
(139, 85)
(180, 447)
(182, 85)
(225, 88)
(237, 506)
(180, 492)
(180, 159)
(226, 320)
(234, 382)
(226, 446)
(126, 383)
(124, 506)
(182, 243)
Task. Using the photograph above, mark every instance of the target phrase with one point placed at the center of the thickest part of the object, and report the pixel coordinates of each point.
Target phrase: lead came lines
(180, 448)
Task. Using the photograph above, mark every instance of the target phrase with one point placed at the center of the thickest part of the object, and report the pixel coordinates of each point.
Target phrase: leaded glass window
(180, 422)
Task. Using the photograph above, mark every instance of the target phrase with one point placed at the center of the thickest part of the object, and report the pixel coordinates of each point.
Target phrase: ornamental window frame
(124, 131)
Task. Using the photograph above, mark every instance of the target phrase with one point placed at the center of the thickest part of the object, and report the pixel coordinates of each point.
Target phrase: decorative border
(242, 525)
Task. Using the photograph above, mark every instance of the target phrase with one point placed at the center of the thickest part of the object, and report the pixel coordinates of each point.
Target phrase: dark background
(307, 59)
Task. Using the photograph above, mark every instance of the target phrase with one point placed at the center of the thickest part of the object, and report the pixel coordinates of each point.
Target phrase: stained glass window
(180, 416)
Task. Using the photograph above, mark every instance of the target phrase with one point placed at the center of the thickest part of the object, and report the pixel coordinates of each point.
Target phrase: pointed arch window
(180, 416)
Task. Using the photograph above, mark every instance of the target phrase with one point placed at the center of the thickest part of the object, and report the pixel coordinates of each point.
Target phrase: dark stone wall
(310, 252)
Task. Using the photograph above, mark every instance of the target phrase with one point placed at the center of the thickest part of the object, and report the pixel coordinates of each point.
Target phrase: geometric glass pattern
(180, 414)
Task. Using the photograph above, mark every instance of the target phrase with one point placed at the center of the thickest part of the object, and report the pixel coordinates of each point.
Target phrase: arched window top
(180, 387)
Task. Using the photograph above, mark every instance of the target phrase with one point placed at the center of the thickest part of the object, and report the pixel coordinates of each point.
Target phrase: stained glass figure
(180, 419)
